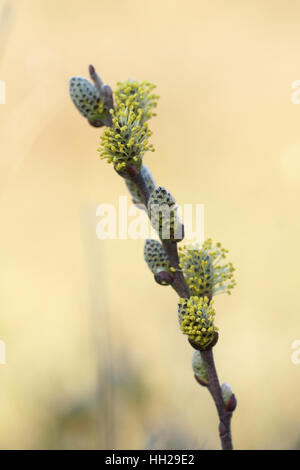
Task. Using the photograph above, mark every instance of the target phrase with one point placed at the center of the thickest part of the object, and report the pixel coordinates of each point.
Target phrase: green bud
(199, 369)
(86, 97)
(228, 397)
(162, 211)
(158, 262)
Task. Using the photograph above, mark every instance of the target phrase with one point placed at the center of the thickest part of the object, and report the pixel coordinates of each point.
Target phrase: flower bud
(87, 99)
(199, 369)
(229, 399)
(158, 262)
(162, 211)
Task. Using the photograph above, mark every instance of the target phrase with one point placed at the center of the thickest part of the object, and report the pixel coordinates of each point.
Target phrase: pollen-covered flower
(126, 141)
(132, 188)
(199, 368)
(87, 100)
(196, 318)
(163, 215)
(205, 270)
(137, 96)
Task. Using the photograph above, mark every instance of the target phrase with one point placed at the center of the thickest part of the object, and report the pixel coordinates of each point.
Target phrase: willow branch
(179, 284)
(215, 390)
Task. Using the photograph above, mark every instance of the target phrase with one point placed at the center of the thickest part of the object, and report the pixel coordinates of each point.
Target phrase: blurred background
(95, 358)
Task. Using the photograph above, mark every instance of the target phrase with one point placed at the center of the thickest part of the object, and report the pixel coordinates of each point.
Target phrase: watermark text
(296, 354)
(2, 353)
(127, 221)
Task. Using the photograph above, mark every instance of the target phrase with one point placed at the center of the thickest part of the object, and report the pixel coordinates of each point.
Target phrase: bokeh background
(95, 358)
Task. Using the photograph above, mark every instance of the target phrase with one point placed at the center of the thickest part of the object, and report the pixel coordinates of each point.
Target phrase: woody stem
(215, 390)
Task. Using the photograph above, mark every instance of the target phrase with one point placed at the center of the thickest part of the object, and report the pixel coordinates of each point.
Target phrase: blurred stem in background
(7, 16)
(100, 325)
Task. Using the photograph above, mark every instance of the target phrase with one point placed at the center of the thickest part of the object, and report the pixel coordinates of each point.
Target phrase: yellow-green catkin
(205, 269)
(196, 319)
(127, 140)
(135, 96)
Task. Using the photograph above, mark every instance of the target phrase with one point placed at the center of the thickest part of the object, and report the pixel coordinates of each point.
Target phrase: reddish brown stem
(215, 390)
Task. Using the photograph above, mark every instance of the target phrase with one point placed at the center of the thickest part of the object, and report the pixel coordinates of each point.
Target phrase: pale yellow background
(75, 311)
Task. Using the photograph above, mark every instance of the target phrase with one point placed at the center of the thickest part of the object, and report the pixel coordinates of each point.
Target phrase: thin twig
(215, 390)
(96, 79)
(179, 284)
